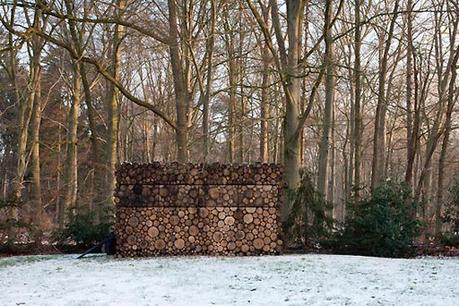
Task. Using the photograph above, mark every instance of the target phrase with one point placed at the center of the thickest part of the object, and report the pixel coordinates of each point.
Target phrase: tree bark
(452, 98)
(71, 164)
(113, 98)
(180, 86)
(24, 112)
(410, 134)
(35, 147)
(443, 77)
(357, 135)
(295, 9)
(265, 111)
(206, 95)
(322, 177)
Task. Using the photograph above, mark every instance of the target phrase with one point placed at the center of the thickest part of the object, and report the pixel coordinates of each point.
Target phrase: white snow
(270, 280)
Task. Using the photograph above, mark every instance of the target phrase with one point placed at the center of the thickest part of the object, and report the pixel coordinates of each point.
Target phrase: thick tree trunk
(25, 108)
(287, 62)
(71, 164)
(379, 136)
(295, 9)
(291, 148)
(180, 87)
(97, 196)
(35, 147)
(35, 49)
(206, 95)
(232, 77)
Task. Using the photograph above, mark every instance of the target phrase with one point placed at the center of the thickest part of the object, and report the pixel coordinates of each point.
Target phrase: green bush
(383, 224)
(451, 214)
(9, 226)
(310, 223)
(83, 229)
(451, 217)
(450, 239)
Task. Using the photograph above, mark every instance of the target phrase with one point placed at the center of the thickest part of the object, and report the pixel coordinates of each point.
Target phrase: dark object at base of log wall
(184, 209)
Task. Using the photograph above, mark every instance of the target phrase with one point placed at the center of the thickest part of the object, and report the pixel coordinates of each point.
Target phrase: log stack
(205, 209)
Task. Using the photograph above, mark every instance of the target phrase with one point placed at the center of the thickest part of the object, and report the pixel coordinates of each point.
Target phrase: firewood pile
(211, 209)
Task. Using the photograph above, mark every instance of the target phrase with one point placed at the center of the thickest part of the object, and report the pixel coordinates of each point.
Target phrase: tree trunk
(452, 98)
(96, 154)
(232, 77)
(264, 103)
(357, 135)
(25, 108)
(180, 87)
(71, 164)
(324, 146)
(378, 173)
(206, 96)
(265, 112)
(241, 108)
(113, 104)
(35, 147)
(411, 150)
(444, 95)
(295, 9)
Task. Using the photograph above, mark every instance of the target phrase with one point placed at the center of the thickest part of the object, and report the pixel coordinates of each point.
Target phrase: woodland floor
(270, 280)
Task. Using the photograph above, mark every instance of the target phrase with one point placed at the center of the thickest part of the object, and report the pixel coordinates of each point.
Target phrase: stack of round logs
(178, 209)
(196, 195)
(201, 174)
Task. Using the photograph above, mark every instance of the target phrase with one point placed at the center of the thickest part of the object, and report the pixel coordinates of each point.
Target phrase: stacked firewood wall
(182, 209)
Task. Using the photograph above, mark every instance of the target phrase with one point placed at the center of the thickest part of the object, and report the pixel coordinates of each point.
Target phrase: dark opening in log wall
(215, 209)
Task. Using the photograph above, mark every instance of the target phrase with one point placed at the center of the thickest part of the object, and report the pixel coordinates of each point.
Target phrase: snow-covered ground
(281, 280)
